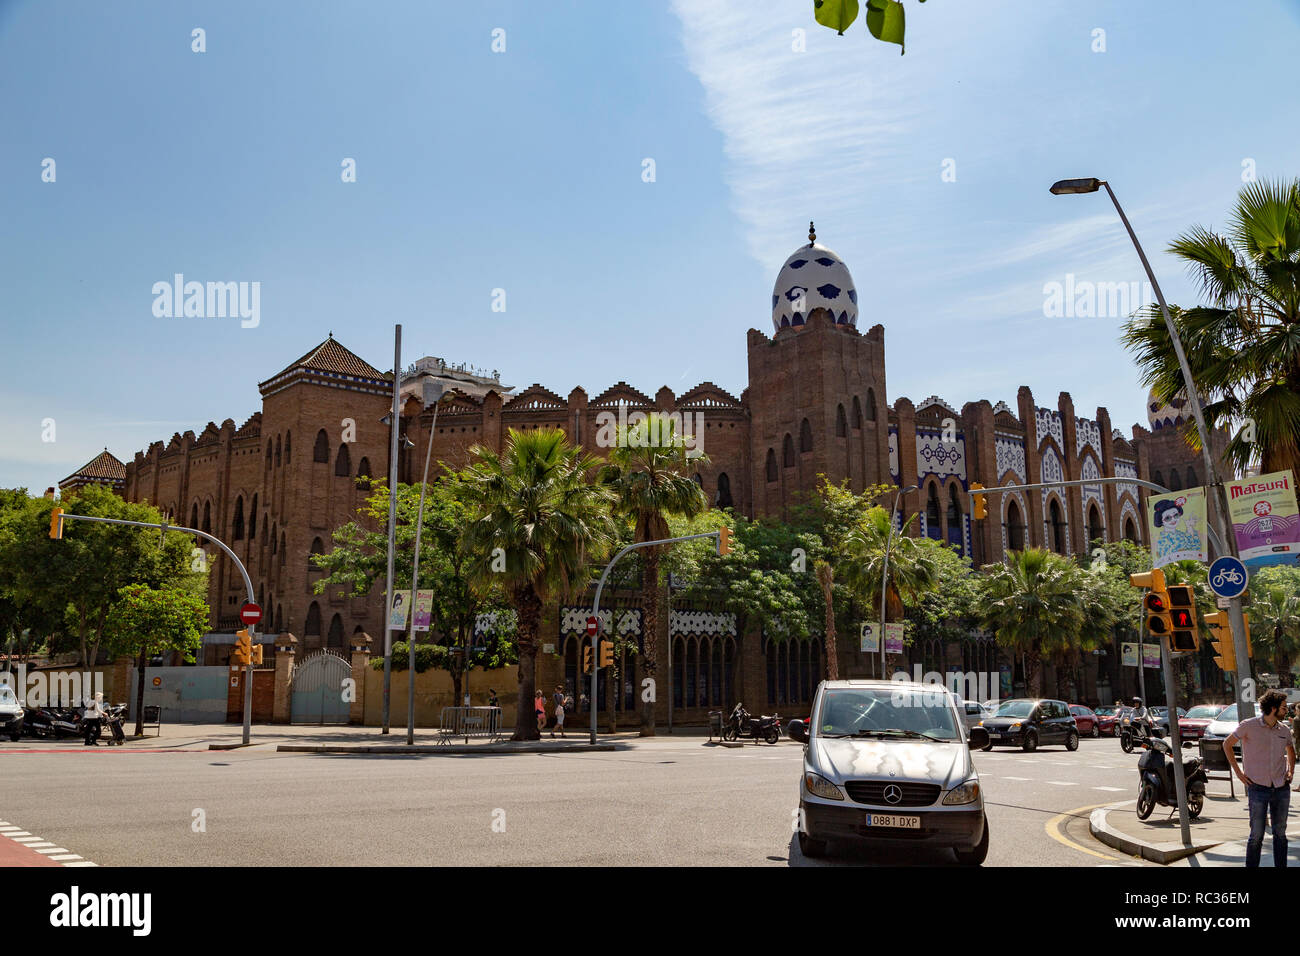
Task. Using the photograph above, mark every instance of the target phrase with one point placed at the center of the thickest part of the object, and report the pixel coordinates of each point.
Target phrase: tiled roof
(103, 465)
(329, 356)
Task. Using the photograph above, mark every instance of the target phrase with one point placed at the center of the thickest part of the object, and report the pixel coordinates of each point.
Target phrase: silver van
(888, 762)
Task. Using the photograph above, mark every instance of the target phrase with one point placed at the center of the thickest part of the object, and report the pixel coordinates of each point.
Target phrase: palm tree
(535, 521)
(1275, 612)
(826, 578)
(647, 476)
(1035, 605)
(1243, 347)
(913, 569)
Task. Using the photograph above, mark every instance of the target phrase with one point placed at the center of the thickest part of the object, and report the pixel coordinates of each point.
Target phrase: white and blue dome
(813, 277)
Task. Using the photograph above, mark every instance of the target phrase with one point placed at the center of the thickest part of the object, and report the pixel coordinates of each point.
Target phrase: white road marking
(1022, 779)
(1062, 783)
(45, 847)
(1110, 789)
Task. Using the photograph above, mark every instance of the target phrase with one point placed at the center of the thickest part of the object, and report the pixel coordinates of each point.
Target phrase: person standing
(559, 710)
(539, 705)
(92, 720)
(1268, 764)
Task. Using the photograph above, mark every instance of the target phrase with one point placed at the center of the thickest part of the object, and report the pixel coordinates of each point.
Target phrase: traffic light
(257, 655)
(1156, 603)
(242, 652)
(981, 508)
(1182, 612)
(1225, 654)
(56, 524)
(724, 541)
(606, 653)
(586, 659)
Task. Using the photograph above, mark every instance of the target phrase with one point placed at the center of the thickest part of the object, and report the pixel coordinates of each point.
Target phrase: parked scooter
(1156, 779)
(53, 722)
(742, 723)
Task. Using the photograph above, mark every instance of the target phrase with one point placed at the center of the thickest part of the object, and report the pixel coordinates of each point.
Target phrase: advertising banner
(894, 638)
(1177, 522)
(1265, 520)
(870, 639)
(1150, 655)
(401, 604)
(423, 610)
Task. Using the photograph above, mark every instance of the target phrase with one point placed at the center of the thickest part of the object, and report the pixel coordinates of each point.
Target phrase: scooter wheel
(1146, 800)
(1126, 743)
(1195, 804)
(773, 735)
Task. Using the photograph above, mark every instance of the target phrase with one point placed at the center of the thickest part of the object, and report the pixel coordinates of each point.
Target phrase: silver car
(888, 762)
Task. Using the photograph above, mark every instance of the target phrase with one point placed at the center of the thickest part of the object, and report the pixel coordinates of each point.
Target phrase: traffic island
(1159, 838)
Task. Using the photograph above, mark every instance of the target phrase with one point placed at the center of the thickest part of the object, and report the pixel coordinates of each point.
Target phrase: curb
(1163, 853)
(447, 749)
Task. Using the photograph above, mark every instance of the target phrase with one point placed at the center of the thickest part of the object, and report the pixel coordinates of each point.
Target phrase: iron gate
(317, 691)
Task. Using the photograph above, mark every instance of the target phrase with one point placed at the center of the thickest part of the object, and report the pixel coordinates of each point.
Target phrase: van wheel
(1072, 741)
(810, 847)
(1146, 800)
(1030, 743)
(979, 854)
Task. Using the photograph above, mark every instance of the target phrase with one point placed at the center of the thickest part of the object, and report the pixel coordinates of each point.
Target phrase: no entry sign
(250, 613)
(592, 625)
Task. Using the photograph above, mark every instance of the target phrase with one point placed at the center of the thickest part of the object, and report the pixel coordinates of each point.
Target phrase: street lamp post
(394, 424)
(884, 573)
(433, 393)
(1246, 708)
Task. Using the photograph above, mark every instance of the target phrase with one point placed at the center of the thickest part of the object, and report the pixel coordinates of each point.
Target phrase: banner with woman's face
(1178, 526)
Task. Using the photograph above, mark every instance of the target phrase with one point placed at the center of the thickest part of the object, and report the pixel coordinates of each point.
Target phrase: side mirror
(978, 738)
(797, 730)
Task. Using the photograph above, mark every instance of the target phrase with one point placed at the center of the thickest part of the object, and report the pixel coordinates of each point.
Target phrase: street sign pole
(394, 427)
(1175, 739)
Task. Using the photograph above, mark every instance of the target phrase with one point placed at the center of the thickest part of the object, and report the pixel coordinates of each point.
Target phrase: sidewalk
(1218, 835)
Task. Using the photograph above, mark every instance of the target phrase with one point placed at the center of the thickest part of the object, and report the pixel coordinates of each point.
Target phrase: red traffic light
(1155, 603)
(1183, 618)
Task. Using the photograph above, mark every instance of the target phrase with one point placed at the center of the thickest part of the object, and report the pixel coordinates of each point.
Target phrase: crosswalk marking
(42, 846)
(1062, 783)
(1111, 789)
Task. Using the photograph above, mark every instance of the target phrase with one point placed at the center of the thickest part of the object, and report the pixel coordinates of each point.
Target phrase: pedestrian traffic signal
(606, 653)
(256, 658)
(1156, 603)
(981, 509)
(586, 659)
(1184, 637)
(1225, 654)
(242, 652)
(724, 541)
(56, 524)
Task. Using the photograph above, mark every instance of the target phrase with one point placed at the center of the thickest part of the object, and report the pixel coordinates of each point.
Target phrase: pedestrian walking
(92, 720)
(493, 701)
(539, 705)
(559, 710)
(1268, 765)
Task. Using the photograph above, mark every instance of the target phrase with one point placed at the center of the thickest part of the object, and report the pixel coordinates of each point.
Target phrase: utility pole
(394, 425)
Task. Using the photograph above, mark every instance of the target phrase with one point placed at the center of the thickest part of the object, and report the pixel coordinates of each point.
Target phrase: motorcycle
(1133, 734)
(1156, 779)
(742, 723)
(53, 722)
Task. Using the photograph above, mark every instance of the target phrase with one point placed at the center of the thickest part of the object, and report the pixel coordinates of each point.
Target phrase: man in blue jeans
(1268, 763)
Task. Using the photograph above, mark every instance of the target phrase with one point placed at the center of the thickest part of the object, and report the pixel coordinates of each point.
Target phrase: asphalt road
(666, 801)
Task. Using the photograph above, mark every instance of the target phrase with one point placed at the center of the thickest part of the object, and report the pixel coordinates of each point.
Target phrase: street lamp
(433, 395)
(884, 574)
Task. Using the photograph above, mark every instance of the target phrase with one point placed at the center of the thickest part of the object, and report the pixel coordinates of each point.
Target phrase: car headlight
(968, 792)
(980, 724)
(1015, 726)
(819, 786)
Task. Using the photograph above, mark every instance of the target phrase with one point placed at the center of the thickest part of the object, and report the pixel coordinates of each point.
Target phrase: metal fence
(469, 722)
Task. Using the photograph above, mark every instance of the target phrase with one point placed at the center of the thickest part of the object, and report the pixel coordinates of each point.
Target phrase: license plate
(893, 820)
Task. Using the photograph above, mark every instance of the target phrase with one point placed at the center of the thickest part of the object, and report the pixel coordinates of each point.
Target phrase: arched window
(857, 412)
(252, 521)
(322, 450)
(363, 474)
(805, 437)
(283, 551)
(1058, 527)
(288, 444)
(207, 517)
(1191, 477)
(335, 638)
(787, 452)
(274, 548)
(1157, 479)
(724, 491)
(279, 619)
(278, 457)
(268, 454)
(956, 533)
(1130, 530)
(933, 526)
(343, 464)
(237, 526)
(312, 627)
(1015, 528)
(772, 474)
(1175, 483)
(871, 405)
(316, 548)
(194, 515)
(1095, 531)
(841, 423)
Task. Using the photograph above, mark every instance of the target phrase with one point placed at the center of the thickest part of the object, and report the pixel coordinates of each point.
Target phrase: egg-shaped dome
(1163, 415)
(813, 277)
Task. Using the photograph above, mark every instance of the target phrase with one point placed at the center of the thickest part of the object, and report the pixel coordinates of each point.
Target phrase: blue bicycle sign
(1228, 577)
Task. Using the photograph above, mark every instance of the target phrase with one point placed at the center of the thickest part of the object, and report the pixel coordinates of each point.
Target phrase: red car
(1108, 719)
(1086, 720)
(1192, 727)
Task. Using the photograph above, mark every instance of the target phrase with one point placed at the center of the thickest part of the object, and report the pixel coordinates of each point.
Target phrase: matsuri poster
(1265, 519)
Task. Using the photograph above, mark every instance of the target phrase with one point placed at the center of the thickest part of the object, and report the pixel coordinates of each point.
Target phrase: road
(667, 801)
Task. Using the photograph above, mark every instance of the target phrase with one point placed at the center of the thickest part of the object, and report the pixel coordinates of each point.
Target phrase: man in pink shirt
(1268, 763)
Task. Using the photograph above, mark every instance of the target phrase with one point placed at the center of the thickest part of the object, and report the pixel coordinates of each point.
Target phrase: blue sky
(522, 171)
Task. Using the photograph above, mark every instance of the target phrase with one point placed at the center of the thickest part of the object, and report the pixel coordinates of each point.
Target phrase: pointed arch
(787, 452)
(1096, 531)
(237, 525)
(1056, 526)
(335, 636)
(321, 451)
(871, 404)
(279, 458)
(288, 441)
(312, 627)
(857, 412)
(841, 422)
(207, 517)
(933, 516)
(1015, 527)
(724, 491)
(343, 464)
(284, 552)
(805, 437)
(252, 520)
(363, 474)
(316, 548)
(772, 473)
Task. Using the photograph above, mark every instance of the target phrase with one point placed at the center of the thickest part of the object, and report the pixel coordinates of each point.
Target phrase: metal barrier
(152, 717)
(1214, 760)
(469, 722)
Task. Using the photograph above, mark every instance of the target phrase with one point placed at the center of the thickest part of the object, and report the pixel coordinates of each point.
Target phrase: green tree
(647, 473)
(152, 621)
(1275, 616)
(1243, 346)
(536, 521)
(913, 564)
(886, 19)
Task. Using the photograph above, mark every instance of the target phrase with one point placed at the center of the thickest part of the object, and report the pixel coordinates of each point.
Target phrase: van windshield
(903, 712)
(7, 695)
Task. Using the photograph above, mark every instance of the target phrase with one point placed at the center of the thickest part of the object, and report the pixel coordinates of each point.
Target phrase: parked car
(888, 762)
(1030, 724)
(1192, 727)
(1221, 728)
(11, 713)
(1160, 719)
(1108, 719)
(972, 712)
(1086, 719)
